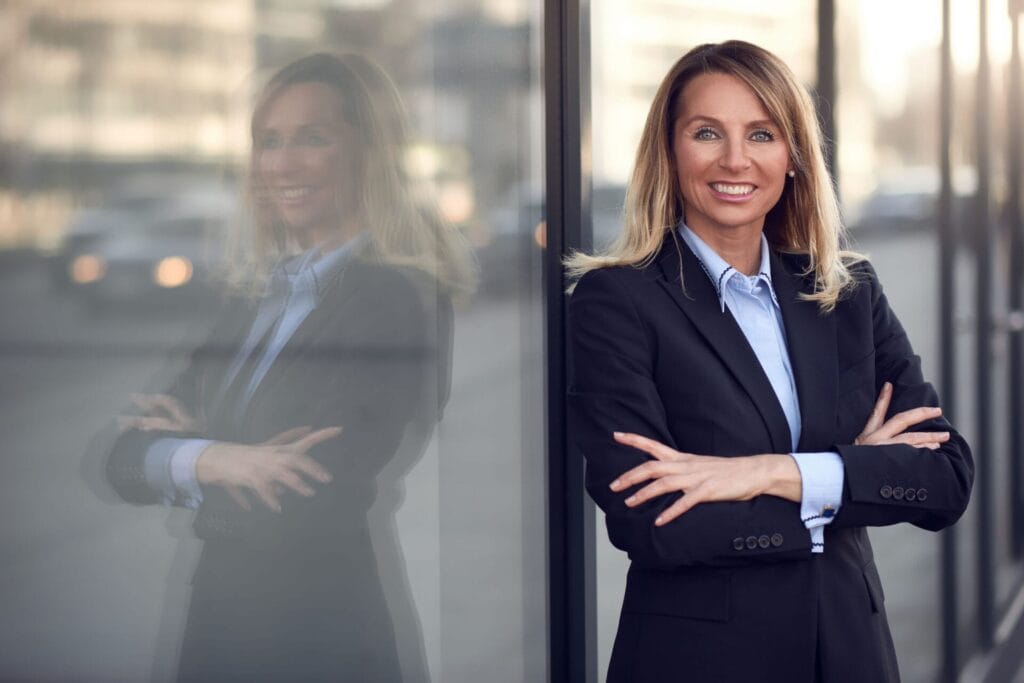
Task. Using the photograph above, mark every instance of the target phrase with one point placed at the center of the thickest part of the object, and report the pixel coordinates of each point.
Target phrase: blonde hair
(806, 219)
(403, 229)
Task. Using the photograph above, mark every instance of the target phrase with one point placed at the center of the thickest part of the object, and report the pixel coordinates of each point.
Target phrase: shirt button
(897, 492)
(910, 494)
(885, 492)
(751, 542)
(764, 541)
(922, 495)
(737, 543)
(777, 539)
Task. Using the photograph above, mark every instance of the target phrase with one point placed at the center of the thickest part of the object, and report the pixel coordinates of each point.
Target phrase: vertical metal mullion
(570, 517)
(947, 336)
(825, 88)
(983, 338)
(1015, 212)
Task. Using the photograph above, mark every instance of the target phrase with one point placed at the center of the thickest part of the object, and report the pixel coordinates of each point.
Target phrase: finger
(313, 438)
(145, 423)
(657, 488)
(678, 508)
(650, 446)
(651, 469)
(908, 418)
(238, 496)
(310, 468)
(172, 407)
(265, 491)
(917, 438)
(288, 435)
(877, 416)
(289, 479)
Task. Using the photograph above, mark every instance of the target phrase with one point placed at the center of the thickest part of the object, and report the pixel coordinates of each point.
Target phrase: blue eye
(268, 142)
(705, 133)
(762, 136)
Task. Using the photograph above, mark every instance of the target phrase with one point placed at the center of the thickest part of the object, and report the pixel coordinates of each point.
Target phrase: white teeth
(294, 192)
(732, 189)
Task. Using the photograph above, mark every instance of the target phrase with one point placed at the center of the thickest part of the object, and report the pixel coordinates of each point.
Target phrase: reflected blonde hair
(403, 229)
(806, 219)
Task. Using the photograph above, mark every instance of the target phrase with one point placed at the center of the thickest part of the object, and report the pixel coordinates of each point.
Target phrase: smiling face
(731, 159)
(306, 160)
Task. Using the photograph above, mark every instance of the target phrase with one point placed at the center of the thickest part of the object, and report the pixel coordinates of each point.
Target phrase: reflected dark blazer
(730, 591)
(297, 595)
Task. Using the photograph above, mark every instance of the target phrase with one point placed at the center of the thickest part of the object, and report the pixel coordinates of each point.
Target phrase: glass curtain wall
(203, 278)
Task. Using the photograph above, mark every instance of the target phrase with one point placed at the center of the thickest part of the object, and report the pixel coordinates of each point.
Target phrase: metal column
(947, 335)
(572, 560)
(983, 339)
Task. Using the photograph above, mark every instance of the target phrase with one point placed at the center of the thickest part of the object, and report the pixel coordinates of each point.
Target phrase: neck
(329, 237)
(739, 247)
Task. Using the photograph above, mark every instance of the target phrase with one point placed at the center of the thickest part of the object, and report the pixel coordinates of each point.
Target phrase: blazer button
(777, 539)
(897, 493)
(751, 542)
(910, 494)
(922, 495)
(737, 543)
(885, 492)
(764, 541)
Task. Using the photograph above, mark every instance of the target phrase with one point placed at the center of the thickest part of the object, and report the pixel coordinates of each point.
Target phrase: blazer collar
(810, 339)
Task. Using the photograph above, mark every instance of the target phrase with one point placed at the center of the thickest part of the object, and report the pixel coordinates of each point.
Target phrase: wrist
(782, 476)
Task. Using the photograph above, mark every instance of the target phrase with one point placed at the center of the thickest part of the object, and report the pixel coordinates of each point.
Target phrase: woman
(277, 431)
(727, 359)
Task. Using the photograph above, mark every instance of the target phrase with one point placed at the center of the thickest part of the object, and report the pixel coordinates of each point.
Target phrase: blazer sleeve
(613, 388)
(899, 483)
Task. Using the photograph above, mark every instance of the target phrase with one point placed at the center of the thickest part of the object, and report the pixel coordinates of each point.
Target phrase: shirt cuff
(170, 468)
(822, 476)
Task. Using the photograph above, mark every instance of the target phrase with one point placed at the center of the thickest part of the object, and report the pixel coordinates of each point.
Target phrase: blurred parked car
(147, 242)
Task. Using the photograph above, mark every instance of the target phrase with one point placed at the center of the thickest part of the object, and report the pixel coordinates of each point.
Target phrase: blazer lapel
(811, 338)
(305, 339)
(699, 302)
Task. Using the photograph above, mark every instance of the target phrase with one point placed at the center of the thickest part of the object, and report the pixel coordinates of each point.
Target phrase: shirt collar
(311, 271)
(720, 272)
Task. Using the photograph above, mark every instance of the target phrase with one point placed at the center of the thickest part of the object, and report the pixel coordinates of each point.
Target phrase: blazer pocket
(874, 586)
(693, 593)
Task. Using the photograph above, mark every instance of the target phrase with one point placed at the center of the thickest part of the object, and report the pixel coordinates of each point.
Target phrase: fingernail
(614, 485)
(658, 521)
(618, 435)
(630, 500)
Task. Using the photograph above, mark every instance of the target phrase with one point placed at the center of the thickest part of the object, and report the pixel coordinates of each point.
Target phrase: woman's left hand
(705, 478)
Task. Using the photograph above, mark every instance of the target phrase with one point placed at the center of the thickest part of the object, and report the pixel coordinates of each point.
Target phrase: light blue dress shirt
(294, 290)
(752, 302)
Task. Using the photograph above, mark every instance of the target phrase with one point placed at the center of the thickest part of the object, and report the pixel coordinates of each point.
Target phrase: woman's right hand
(266, 468)
(879, 431)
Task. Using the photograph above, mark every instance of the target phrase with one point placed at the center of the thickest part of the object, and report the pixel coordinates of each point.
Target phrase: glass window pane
(190, 206)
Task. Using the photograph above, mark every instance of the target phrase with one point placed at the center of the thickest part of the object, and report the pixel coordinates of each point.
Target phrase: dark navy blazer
(730, 591)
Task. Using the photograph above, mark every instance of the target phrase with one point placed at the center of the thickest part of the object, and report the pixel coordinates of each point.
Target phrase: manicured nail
(614, 486)
(630, 500)
(618, 435)
(658, 521)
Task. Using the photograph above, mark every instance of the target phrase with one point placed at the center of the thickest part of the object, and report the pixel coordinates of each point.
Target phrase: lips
(294, 193)
(733, 189)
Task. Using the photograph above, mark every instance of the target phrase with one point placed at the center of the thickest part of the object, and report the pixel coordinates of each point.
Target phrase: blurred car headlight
(87, 268)
(172, 271)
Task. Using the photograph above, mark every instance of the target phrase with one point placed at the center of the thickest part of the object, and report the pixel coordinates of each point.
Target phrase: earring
(791, 173)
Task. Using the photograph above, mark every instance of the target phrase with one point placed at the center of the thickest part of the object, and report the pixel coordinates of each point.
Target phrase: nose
(280, 161)
(734, 156)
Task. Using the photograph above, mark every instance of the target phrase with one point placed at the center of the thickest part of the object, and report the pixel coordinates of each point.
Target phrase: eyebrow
(761, 123)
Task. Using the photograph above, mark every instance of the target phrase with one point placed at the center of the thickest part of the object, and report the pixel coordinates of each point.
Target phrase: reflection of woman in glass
(728, 322)
(281, 423)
